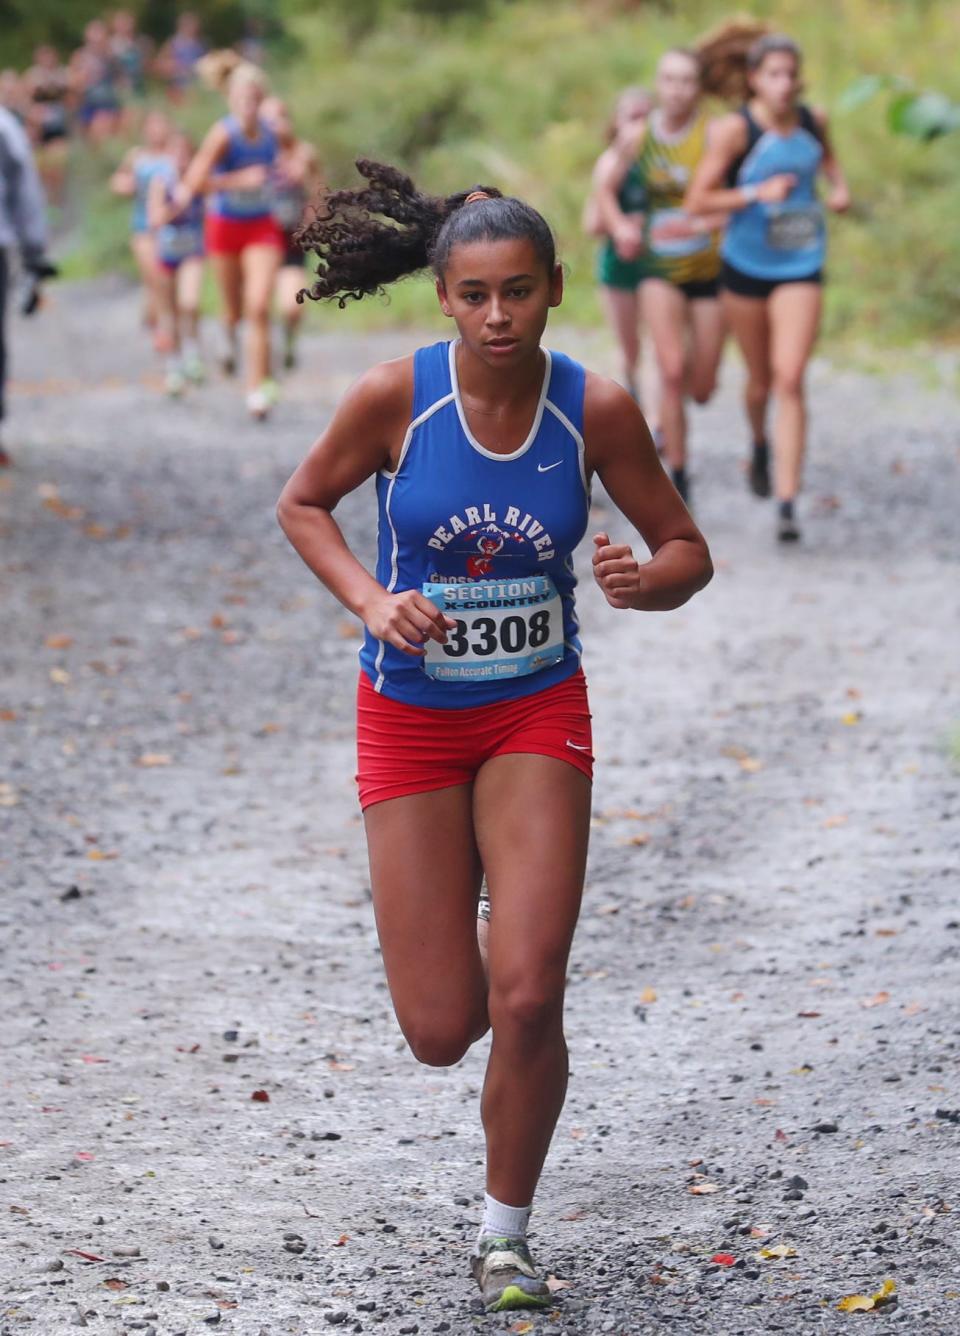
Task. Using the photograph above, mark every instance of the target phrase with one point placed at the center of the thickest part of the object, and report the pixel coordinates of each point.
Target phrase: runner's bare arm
(362, 438)
(624, 230)
(123, 181)
(709, 195)
(620, 450)
(198, 178)
(838, 200)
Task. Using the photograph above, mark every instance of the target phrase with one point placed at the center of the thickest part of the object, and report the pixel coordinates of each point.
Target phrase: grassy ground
(519, 97)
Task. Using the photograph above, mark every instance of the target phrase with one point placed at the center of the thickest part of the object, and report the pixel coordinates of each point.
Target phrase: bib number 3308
(503, 628)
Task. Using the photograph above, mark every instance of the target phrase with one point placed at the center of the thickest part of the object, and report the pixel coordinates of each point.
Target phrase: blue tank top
(243, 152)
(778, 241)
(145, 168)
(489, 537)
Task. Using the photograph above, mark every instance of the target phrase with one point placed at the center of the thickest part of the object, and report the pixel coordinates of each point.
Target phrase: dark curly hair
(368, 238)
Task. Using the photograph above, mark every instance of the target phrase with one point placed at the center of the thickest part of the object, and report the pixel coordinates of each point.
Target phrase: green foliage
(517, 93)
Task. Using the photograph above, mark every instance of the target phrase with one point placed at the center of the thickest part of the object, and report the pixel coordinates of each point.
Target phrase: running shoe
(194, 370)
(758, 473)
(504, 1270)
(262, 399)
(228, 355)
(289, 350)
(788, 530)
(174, 383)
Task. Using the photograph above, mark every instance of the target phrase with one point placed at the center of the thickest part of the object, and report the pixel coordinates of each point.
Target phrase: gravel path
(210, 1116)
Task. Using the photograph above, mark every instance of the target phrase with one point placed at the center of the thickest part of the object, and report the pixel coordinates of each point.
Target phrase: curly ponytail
(360, 254)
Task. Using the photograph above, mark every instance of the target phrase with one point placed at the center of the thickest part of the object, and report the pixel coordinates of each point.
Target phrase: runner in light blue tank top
(501, 529)
(784, 240)
(762, 169)
(474, 750)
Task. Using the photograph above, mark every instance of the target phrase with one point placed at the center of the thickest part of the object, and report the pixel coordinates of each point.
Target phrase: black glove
(36, 269)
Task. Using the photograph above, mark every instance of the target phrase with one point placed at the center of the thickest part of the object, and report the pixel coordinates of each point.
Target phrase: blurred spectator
(23, 227)
(96, 78)
(177, 59)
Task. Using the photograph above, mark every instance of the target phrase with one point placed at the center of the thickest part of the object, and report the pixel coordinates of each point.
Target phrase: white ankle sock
(503, 1221)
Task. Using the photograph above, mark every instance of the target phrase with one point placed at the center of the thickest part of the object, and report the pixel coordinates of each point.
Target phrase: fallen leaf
(808, 1015)
(92, 1058)
(341, 1066)
(97, 531)
(863, 1303)
(102, 855)
(851, 717)
(913, 1008)
(114, 1284)
(832, 822)
(522, 1327)
(554, 1283)
(218, 621)
(648, 995)
(702, 1189)
(723, 1259)
(8, 716)
(801, 1071)
(151, 759)
(877, 1000)
(87, 1257)
(58, 642)
(8, 796)
(341, 1240)
(638, 840)
(777, 1250)
(574, 1215)
(780, 1135)
(260, 1096)
(60, 676)
(348, 630)
(750, 764)
(84, 1155)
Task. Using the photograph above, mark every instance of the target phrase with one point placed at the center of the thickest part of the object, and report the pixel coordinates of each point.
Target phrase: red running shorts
(230, 236)
(404, 749)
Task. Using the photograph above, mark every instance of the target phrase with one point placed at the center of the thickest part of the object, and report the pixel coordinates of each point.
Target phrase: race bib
(288, 209)
(180, 243)
(795, 228)
(504, 628)
(670, 246)
(247, 203)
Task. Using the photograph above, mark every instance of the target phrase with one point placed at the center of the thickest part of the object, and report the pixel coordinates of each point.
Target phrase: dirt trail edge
(210, 1118)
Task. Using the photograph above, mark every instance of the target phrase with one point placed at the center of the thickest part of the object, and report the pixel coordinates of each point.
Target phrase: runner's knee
(526, 1008)
(440, 1041)
(788, 382)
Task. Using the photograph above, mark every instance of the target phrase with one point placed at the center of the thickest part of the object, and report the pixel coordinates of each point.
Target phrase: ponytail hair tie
(476, 195)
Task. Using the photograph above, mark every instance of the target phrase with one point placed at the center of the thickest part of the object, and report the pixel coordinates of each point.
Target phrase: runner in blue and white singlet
(489, 538)
(474, 747)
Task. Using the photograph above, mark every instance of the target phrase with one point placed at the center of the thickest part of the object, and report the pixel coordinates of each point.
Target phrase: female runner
(296, 180)
(47, 85)
(762, 166)
(678, 264)
(132, 180)
(178, 237)
(245, 245)
(621, 228)
(473, 724)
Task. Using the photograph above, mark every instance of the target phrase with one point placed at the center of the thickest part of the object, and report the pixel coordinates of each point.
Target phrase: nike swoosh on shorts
(576, 746)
